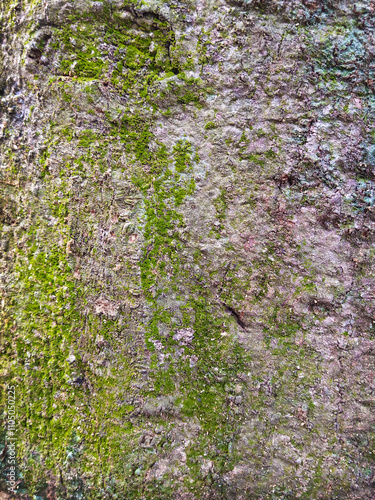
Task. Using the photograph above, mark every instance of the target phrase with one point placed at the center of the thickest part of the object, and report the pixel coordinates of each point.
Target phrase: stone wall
(187, 234)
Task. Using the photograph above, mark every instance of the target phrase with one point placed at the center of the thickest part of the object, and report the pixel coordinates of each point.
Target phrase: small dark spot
(236, 315)
(2, 87)
(317, 305)
(34, 54)
(78, 380)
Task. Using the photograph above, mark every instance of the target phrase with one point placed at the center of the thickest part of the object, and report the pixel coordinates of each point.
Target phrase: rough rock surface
(187, 231)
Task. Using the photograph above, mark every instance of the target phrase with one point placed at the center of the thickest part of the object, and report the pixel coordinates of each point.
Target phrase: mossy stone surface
(186, 248)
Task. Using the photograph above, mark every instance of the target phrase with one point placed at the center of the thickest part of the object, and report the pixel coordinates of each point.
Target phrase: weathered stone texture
(187, 248)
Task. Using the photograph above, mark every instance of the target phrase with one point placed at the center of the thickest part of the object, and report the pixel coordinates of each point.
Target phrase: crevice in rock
(235, 315)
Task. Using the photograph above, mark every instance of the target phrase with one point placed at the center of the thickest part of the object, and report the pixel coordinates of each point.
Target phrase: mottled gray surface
(187, 247)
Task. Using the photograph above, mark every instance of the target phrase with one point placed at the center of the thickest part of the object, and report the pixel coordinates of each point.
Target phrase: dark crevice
(235, 315)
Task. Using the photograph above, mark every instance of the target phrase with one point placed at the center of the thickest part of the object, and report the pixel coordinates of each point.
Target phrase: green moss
(68, 133)
(221, 205)
(49, 401)
(87, 138)
(200, 388)
(210, 125)
(78, 417)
